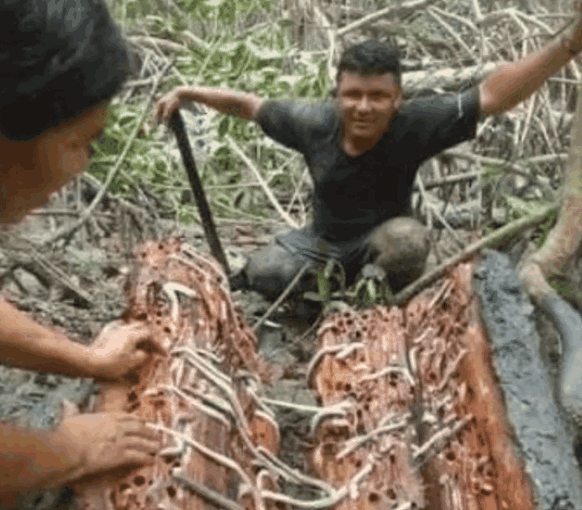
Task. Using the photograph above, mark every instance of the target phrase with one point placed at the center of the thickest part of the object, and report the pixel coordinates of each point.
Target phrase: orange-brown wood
(183, 300)
(425, 370)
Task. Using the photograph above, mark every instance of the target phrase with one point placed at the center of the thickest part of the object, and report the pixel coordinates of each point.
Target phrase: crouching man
(363, 151)
(60, 63)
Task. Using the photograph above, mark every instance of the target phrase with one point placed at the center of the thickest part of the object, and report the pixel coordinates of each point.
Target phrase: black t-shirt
(354, 194)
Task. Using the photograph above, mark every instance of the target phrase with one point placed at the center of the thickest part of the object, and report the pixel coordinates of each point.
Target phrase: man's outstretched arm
(245, 106)
(512, 83)
(116, 352)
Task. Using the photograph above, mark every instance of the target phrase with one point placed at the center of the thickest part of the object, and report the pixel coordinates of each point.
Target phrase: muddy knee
(272, 269)
(400, 246)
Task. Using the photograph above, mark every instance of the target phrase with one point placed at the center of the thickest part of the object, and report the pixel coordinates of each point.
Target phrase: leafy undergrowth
(289, 49)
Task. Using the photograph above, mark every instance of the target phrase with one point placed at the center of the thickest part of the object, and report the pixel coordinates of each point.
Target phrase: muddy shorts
(305, 245)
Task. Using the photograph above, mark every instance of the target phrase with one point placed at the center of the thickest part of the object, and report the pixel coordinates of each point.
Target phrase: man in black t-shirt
(363, 151)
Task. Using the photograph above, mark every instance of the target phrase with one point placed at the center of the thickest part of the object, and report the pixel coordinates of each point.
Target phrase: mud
(543, 432)
(34, 400)
(526, 375)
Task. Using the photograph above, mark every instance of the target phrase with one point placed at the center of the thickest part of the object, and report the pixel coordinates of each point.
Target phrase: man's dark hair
(369, 58)
(58, 58)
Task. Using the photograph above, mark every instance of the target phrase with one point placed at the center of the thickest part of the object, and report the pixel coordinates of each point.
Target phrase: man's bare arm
(242, 105)
(25, 344)
(30, 459)
(116, 352)
(82, 446)
(514, 82)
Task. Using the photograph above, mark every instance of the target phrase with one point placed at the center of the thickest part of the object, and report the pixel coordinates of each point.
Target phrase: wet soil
(543, 433)
(288, 341)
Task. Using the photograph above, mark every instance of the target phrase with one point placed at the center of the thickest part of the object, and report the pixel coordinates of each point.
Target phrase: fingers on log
(198, 391)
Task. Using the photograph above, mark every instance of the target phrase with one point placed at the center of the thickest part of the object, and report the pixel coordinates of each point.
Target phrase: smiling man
(363, 151)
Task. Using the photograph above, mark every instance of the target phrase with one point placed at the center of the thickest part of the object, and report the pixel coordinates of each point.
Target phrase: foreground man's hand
(121, 349)
(102, 442)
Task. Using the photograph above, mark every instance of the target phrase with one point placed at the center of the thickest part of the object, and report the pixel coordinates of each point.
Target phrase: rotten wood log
(202, 397)
(441, 404)
(424, 398)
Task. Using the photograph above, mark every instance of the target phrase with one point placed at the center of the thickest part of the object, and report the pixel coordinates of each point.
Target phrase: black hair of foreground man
(57, 59)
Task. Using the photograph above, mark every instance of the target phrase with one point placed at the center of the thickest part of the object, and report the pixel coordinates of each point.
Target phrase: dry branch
(492, 240)
(22, 253)
(448, 79)
(399, 11)
(290, 221)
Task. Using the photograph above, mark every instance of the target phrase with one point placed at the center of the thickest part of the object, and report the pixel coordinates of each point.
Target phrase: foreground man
(60, 63)
(363, 151)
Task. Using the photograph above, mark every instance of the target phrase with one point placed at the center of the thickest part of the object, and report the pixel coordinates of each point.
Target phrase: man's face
(31, 171)
(367, 103)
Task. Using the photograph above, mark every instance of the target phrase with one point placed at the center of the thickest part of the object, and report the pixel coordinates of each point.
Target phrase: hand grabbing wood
(120, 350)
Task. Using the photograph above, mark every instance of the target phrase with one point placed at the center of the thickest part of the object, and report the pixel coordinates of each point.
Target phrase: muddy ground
(98, 265)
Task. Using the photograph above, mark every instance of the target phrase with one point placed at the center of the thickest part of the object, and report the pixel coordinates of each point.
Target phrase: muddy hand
(120, 349)
(103, 442)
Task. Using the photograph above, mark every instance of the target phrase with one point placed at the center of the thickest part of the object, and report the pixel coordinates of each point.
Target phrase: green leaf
(323, 286)
(286, 22)
(312, 296)
(290, 80)
(223, 126)
(214, 3)
(521, 206)
(262, 53)
(371, 288)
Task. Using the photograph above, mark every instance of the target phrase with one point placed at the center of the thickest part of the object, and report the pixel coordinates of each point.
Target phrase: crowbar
(177, 126)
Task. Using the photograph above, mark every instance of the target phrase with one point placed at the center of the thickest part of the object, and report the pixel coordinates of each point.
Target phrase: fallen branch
(156, 42)
(492, 240)
(27, 257)
(449, 79)
(282, 297)
(399, 11)
(234, 146)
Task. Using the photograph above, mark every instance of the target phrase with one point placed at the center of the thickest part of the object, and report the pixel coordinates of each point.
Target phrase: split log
(441, 404)
(440, 415)
(202, 397)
